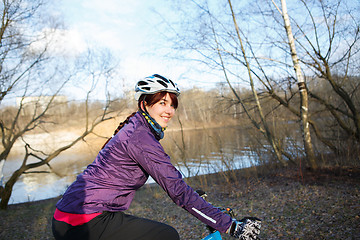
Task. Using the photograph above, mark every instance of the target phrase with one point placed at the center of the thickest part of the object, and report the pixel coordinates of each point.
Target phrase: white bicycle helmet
(153, 84)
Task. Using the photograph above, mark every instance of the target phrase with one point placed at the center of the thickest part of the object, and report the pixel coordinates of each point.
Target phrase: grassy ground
(292, 204)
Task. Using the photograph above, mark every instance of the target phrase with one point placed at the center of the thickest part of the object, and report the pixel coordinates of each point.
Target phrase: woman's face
(162, 111)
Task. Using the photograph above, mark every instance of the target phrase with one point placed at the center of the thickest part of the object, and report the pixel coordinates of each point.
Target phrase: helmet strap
(154, 126)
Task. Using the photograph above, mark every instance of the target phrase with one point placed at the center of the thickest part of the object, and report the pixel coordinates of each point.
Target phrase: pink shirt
(72, 218)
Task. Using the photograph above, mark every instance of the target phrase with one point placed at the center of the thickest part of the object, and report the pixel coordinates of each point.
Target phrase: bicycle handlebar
(215, 235)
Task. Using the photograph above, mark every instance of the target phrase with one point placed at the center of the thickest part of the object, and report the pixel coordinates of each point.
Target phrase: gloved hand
(247, 228)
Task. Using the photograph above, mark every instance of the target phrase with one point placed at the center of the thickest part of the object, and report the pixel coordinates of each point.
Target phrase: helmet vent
(142, 83)
(162, 83)
(161, 77)
(172, 83)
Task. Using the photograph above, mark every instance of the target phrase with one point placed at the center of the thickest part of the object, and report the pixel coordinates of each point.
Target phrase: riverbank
(292, 204)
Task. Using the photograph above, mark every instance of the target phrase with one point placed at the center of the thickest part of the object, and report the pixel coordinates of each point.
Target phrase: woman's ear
(142, 106)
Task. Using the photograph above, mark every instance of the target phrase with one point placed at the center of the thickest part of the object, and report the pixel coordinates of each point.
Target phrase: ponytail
(119, 127)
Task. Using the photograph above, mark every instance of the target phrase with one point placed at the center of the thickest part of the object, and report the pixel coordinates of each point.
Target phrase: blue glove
(247, 228)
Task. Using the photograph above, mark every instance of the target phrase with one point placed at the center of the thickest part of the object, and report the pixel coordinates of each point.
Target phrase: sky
(129, 29)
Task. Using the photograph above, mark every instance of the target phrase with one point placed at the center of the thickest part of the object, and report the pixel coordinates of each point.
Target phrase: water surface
(193, 152)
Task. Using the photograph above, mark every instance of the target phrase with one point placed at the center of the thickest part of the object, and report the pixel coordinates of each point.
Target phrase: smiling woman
(93, 206)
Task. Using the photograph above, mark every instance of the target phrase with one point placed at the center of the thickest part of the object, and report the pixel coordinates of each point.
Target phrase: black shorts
(115, 225)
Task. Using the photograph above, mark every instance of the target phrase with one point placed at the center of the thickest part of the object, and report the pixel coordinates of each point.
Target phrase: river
(193, 152)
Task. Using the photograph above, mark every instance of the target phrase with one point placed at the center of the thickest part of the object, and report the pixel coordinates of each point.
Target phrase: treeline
(332, 127)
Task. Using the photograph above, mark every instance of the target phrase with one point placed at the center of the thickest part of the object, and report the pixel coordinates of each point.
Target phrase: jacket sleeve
(150, 155)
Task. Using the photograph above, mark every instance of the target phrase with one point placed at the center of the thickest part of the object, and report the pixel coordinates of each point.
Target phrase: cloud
(109, 24)
(62, 42)
(126, 27)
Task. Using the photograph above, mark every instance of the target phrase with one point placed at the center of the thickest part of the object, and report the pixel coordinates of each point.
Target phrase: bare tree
(326, 34)
(16, 58)
(219, 42)
(29, 67)
(328, 44)
(336, 61)
(304, 104)
(266, 131)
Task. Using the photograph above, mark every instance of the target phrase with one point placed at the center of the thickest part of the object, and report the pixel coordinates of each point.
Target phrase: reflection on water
(206, 151)
(193, 152)
(30, 189)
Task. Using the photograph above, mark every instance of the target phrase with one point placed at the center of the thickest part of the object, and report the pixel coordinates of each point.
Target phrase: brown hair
(150, 100)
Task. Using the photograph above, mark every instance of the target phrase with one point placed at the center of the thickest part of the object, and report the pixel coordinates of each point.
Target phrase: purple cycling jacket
(123, 166)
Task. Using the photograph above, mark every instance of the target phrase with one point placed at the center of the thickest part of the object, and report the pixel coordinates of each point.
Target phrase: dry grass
(314, 205)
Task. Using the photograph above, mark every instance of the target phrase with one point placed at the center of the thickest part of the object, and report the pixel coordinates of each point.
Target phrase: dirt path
(321, 205)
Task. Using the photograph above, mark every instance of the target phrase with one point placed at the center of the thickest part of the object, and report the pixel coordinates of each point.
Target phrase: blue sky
(129, 29)
(108, 23)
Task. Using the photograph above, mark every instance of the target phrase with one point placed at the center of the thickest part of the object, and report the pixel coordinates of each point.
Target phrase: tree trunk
(270, 137)
(5, 192)
(304, 105)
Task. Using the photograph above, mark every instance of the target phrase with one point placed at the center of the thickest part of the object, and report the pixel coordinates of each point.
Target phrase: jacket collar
(155, 128)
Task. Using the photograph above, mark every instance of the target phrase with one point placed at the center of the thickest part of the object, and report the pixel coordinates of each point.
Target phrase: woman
(92, 207)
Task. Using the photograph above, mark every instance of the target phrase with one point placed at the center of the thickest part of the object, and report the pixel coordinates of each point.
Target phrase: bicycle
(213, 233)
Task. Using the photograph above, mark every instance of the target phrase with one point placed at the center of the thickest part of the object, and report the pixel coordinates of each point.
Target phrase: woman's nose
(170, 110)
